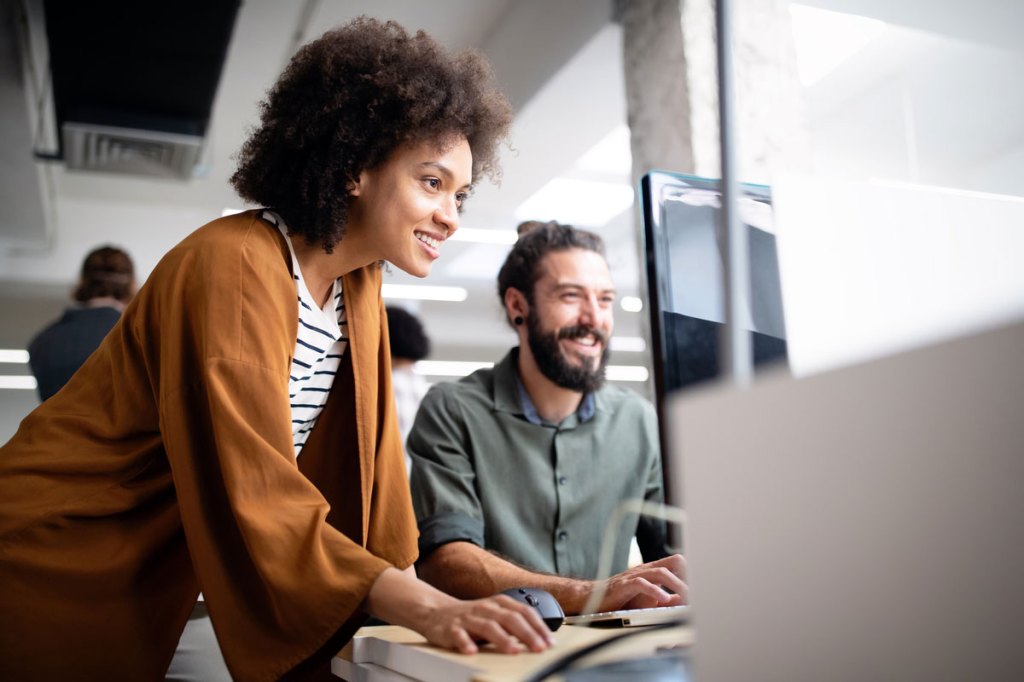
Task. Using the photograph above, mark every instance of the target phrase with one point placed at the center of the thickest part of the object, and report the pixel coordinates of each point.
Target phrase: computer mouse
(544, 602)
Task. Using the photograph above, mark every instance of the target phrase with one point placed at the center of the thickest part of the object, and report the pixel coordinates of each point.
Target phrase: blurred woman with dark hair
(106, 285)
(236, 433)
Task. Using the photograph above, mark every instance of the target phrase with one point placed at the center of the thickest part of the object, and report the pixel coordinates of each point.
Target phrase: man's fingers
(676, 563)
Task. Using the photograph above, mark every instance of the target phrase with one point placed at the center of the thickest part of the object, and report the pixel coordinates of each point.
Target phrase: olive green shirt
(487, 470)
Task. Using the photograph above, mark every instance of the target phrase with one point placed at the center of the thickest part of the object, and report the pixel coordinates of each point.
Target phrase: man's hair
(536, 240)
(408, 337)
(346, 102)
(106, 272)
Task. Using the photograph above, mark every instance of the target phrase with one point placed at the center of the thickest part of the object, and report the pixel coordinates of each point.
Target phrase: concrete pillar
(670, 75)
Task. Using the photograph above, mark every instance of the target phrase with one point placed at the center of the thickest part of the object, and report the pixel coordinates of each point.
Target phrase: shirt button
(562, 535)
(562, 480)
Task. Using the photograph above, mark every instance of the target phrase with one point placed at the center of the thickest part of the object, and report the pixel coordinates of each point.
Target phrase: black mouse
(544, 602)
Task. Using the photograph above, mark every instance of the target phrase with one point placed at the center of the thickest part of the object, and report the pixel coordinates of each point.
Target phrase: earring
(517, 320)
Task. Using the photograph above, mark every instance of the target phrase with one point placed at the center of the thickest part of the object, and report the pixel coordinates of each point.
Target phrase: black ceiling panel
(138, 63)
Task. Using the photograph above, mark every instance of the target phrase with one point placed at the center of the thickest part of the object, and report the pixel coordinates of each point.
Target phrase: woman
(188, 452)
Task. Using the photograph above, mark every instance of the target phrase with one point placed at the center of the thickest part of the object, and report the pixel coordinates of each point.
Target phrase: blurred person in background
(105, 287)
(409, 344)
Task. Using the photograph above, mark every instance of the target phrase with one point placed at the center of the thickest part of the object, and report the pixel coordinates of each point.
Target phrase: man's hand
(658, 583)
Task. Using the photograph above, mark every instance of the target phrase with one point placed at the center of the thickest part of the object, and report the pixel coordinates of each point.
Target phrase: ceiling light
(631, 304)
(582, 203)
(628, 344)
(14, 356)
(611, 155)
(18, 382)
(479, 236)
(824, 39)
(626, 373)
(422, 292)
(448, 368)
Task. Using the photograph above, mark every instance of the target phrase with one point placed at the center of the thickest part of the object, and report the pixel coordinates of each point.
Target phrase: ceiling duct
(127, 150)
(134, 82)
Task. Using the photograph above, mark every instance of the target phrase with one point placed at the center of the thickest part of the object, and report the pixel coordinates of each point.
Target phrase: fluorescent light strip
(626, 373)
(480, 236)
(18, 382)
(448, 368)
(452, 368)
(631, 304)
(628, 344)
(19, 357)
(418, 292)
(577, 202)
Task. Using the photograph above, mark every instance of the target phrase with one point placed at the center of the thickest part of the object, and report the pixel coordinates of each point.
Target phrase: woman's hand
(398, 597)
(500, 620)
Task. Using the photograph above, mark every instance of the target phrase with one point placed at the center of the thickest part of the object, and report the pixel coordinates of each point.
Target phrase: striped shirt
(321, 341)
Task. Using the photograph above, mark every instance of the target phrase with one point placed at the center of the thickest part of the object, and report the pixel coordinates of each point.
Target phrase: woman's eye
(460, 198)
(433, 183)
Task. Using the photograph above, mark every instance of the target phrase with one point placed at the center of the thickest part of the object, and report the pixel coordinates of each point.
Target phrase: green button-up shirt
(487, 470)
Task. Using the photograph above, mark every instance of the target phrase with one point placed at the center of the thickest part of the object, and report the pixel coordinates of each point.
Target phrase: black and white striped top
(321, 341)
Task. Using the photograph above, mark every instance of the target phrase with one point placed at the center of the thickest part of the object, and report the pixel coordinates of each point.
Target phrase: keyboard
(632, 617)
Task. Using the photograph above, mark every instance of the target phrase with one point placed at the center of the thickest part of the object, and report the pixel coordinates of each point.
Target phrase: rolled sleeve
(443, 479)
(446, 527)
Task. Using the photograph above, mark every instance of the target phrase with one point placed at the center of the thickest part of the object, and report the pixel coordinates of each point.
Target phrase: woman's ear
(354, 187)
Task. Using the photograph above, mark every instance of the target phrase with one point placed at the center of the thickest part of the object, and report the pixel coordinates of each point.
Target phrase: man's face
(570, 320)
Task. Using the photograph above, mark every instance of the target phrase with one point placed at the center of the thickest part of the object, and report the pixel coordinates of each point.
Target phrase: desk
(388, 653)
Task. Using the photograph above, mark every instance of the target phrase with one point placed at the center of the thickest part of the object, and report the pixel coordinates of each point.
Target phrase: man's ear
(516, 304)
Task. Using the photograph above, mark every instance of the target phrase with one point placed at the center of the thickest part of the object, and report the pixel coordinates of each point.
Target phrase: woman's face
(404, 210)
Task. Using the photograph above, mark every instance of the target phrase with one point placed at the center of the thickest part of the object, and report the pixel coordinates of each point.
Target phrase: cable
(562, 663)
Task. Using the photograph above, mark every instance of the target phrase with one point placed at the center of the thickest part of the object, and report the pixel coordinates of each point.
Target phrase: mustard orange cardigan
(166, 466)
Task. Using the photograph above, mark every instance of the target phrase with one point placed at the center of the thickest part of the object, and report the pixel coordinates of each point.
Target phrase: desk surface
(391, 653)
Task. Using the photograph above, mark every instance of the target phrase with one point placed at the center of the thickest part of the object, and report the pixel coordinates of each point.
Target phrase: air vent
(131, 151)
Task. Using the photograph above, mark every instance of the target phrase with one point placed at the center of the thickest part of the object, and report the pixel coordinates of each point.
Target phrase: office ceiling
(559, 62)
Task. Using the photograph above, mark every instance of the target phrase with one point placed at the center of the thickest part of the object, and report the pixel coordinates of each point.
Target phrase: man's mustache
(579, 331)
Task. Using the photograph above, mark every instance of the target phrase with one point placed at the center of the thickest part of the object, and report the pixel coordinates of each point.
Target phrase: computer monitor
(684, 266)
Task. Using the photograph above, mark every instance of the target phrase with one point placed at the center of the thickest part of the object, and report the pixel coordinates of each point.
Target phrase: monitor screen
(684, 264)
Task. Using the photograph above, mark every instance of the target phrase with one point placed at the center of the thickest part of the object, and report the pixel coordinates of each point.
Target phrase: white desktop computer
(863, 523)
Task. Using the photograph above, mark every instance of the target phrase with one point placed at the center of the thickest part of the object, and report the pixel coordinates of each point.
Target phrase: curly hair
(346, 102)
(536, 240)
(106, 272)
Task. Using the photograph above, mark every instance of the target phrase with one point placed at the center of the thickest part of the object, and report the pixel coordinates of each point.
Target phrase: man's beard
(553, 363)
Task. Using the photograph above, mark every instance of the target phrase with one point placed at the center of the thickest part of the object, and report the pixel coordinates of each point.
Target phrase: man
(516, 469)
